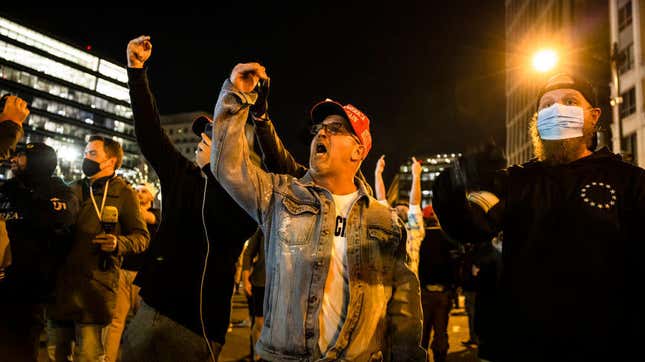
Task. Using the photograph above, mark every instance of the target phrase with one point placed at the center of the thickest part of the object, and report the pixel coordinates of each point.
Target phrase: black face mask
(90, 167)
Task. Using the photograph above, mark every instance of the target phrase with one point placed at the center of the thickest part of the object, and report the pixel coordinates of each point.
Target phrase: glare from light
(545, 60)
(68, 153)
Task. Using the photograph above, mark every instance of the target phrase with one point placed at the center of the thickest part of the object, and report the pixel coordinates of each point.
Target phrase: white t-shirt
(333, 310)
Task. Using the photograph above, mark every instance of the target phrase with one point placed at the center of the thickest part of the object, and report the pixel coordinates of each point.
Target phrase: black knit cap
(569, 81)
(41, 159)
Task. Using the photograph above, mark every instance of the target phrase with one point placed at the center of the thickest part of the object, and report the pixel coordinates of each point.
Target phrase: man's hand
(245, 76)
(416, 168)
(107, 242)
(139, 51)
(380, 165)
(15, 110)
(203, 153)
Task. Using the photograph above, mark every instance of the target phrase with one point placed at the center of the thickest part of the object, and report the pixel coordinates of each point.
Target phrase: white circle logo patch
(600, 195)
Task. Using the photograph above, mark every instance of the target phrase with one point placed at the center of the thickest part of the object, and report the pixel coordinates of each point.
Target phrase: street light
(545, 60)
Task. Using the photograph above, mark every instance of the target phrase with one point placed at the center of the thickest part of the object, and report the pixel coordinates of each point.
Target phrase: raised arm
(153, 142)
(247, 184)
(416, 229)
(275, 156)
(379, 185)
(415, 214)
(12, 115)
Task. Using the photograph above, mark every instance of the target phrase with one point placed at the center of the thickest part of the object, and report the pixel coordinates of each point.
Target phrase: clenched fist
(139, 50)
(245, 76)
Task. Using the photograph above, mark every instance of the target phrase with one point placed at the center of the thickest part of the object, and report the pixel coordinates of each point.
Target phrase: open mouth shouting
(321, 149)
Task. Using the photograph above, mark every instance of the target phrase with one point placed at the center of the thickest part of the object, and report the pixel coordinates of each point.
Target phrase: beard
(559, 152)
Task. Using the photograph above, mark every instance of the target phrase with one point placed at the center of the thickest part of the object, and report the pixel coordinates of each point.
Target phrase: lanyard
(105, 192)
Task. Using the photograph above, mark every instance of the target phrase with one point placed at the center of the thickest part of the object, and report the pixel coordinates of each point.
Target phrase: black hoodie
(571, 285)
(171, 275)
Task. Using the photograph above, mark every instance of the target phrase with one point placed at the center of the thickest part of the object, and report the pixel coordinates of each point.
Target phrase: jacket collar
(308, 181)
(99, 181)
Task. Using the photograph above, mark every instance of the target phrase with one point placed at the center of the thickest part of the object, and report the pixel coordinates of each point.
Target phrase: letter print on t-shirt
(333, 310)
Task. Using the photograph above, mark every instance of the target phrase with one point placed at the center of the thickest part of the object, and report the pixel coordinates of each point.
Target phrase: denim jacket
(297, 217)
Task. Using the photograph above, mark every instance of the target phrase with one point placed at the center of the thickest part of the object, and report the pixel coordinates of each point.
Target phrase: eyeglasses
(332, 128)
(335, 128)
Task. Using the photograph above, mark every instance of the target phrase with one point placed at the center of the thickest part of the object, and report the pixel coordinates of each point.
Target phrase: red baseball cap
(428, 212)
(357, 119)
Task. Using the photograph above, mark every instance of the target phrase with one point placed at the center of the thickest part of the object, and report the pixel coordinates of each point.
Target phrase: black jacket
(572, 279)
(39, 213)
(437, 261)
(171, 276)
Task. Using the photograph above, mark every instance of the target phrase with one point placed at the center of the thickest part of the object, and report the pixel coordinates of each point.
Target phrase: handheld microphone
(109, 219)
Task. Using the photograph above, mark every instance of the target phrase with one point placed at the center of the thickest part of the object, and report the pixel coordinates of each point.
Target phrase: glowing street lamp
(545, 60)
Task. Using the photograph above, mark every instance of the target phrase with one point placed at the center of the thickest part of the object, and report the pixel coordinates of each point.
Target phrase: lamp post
(616, 60)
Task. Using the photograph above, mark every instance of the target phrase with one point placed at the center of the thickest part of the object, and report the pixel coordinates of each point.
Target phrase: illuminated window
(628, 106)
(64, 92)
(113, 71)
(625, 16)
(45, 65)
(51, 46)
(112, 90)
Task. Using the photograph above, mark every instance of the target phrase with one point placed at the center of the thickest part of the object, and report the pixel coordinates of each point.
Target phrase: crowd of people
(547, 253)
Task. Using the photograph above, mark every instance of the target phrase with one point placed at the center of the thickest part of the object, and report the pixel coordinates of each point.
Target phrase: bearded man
(571, 286)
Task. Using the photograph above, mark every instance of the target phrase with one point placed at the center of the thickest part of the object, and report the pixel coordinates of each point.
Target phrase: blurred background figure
(253, 276)
(40, 211)
(437, 279)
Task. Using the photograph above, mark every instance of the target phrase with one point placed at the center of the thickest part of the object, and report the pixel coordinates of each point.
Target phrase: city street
(237, 340)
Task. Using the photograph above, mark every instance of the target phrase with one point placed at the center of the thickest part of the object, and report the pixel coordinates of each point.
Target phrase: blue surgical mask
(559, 122)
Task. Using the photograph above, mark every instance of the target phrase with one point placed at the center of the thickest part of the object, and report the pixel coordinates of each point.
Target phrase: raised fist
(139, 50)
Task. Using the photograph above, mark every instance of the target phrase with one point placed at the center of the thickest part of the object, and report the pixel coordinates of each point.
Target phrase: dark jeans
(20, 328)
(471, 297)
(436, 311)
(151, 336)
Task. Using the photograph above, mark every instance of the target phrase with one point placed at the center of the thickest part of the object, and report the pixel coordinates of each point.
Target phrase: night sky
(429, 76)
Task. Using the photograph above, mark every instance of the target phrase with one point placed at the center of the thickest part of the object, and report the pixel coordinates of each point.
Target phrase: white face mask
(559, 122)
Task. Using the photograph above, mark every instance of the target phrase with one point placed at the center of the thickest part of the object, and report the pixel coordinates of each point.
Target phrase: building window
(628, 106)
(630, 148)
(627, 59)
(625, 16)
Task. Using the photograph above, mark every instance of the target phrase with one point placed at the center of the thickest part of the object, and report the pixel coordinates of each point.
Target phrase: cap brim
(199, 124)
(327, 108)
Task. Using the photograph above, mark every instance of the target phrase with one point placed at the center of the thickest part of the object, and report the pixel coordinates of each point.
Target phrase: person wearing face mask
(573, 241)
(88, 285)
(40, 211)
(337, 283)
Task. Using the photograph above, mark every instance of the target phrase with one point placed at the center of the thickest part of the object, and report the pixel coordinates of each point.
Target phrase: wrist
(137, 64)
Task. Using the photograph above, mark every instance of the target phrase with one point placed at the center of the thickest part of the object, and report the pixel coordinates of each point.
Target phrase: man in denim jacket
(337, 286)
